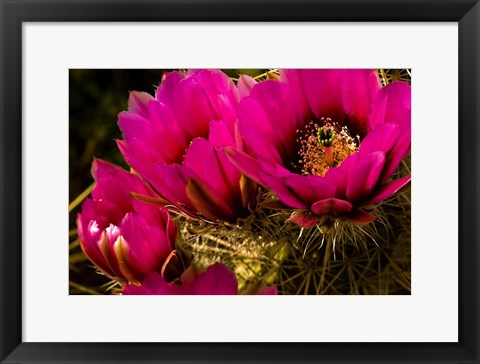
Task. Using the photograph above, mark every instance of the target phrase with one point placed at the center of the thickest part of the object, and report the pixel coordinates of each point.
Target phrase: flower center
(324, 146)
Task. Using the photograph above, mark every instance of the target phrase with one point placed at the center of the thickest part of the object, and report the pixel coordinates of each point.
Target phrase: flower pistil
(324, 147)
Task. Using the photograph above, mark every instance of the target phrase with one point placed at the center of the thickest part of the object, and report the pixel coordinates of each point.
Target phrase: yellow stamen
(324, 147)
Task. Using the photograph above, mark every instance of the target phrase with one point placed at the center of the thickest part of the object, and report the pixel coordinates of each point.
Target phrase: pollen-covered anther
(324, 147)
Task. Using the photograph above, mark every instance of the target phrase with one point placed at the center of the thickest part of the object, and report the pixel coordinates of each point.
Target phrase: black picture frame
(15, 12)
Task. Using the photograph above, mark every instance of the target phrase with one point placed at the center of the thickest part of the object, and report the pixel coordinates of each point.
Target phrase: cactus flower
(124, 237)
(174, 141)
(326, 142)
(216, 280)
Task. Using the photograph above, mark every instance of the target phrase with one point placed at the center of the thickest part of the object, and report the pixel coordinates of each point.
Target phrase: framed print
(239, 182)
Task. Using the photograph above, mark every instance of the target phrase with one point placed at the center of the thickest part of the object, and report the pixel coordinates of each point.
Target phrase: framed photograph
(239, 181)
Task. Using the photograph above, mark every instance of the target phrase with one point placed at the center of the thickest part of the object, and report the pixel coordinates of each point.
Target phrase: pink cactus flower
(326, 142)
(174, 141)
(125, 238)
(216, 280)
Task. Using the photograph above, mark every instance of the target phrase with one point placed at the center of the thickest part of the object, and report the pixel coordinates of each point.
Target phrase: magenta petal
(396, 156)
(238, 137)
(134, 126)
(245, 85)
(331, 206)
(303, 219)
(122, 270)
(270, 290)
(140, 249)
(139, 162)
(392, 104)
(195, 156)
(388, 190)
(299, 99)
(282, 190)
(114, 185)
(170, 227)
(245, 163)
(160, 242)
(213, 166)
(382, 138)
(171, 181)
(275, 99)
(89, 236)
(310, 188)
(103, 170)
(324, 92)
(275, 170)
(138, 103)
(129, 265)
(216, 280)
(365, 175)
(154, 284)
(152, 127)
(227, 110)
(215, 83)
(361, 218)
(339, 176)
(208, 201)
(138, 137)
(166, 132)
(165, 92)
(220, 92)
(359, 88)
(220, 136)
(149, 286)
(193, 108)
(148, 207)
(224, 176)
(112, 191)
(256, 128)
